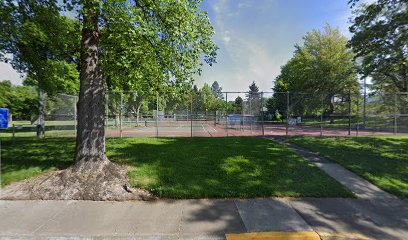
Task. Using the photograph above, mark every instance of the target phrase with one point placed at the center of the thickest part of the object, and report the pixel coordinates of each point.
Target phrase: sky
(255, 38)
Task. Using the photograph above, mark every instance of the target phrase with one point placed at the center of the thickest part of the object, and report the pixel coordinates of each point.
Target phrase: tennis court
(261, 114)
(211, 129)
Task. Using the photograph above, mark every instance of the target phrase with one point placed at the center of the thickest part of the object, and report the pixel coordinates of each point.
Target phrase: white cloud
(245, 50)
(245, 4)
(8, 73)
(226, 37)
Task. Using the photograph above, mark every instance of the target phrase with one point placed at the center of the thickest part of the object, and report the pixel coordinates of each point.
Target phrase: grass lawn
(29, 157)
(381, 160)
(187, 167)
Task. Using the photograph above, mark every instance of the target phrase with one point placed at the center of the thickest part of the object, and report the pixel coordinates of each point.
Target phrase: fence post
(191, 117)
(226, 113)
(120, 114)
(157, 114)
(250, 104)
(262, 116)
(358, 110)
(321, 115)
(287, 113)
(349, 115)
(14, 132)
(365, 104)
(395, 113)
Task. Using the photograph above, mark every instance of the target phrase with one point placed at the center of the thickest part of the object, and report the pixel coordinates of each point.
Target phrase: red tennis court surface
(210, 130)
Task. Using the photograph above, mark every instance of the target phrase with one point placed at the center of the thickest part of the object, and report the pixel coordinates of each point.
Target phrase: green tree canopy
(217, 90)
(38, 41)
(154, 46)
(322, 65)
(20, 100)
(380, 42)
(207, 99)
(253, 99)
(239, 104)
(146, 46)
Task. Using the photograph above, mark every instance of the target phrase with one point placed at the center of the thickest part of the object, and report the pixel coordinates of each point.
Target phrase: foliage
(154, 46)
(38, 41)
(278, 102)
(153, 49)
(381, 160)
(321, 66)
(217, 90)
(380, 36)
(253, 99)
(20, 100)
(207, 99)
(239, 104)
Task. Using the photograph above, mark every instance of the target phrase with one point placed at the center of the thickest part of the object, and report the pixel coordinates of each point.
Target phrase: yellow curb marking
(274, 236)
(345, 235)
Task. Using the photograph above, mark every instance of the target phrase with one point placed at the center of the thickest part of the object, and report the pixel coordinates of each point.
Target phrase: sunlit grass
(220, 167)
(381, 160)
(186, 167)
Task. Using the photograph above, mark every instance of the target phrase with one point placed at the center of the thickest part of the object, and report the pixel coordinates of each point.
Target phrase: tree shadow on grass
(221, 168)
(28, 158)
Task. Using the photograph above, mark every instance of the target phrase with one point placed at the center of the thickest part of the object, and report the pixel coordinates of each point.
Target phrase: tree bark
(117, 120)
(90, 140)
(41, 118)
(138, 113)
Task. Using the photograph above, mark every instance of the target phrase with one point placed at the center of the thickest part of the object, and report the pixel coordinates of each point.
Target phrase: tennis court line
(208, 127)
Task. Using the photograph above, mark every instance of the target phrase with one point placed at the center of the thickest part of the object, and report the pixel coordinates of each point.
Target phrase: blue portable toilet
(4, 114)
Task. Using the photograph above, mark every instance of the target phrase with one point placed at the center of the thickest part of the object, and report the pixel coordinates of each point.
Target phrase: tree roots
(86, 180)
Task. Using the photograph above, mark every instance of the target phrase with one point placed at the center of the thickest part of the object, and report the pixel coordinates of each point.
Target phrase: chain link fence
(59, 119)
(129, 114)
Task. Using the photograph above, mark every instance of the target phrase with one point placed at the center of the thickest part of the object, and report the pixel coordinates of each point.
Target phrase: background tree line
(327, 66)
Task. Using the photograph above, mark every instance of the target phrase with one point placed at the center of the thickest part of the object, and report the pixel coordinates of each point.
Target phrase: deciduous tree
(125, 41)
(380, 43)
(322, 67)
(38, 41)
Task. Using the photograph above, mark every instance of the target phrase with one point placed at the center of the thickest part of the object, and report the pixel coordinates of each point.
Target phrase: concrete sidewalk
(203, 219)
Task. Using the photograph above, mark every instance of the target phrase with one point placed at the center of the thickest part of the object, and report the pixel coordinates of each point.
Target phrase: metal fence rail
(128, 114)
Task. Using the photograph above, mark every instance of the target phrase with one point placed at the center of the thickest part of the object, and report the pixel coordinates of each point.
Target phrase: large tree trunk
(93, 176)
(90, 140)
(41, 118)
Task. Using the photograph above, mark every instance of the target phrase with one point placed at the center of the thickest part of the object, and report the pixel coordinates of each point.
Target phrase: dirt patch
(105, 181)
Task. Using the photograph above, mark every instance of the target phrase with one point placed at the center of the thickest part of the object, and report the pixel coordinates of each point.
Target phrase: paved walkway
(375, 215)
(203, 219)
(362, 188)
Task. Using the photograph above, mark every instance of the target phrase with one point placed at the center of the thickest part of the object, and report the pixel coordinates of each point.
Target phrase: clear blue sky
(256, 37)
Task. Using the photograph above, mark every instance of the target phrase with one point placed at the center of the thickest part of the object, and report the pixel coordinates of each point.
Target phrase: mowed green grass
(381, 160)
(28, 157)
(186, 167)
